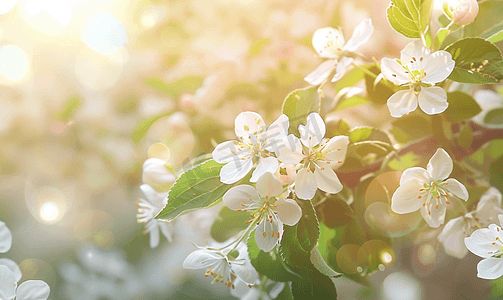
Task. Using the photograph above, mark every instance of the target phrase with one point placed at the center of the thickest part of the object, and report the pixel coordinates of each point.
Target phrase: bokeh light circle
(14, 64)
(104, 33)
(50, 17)
(401, 286)
(6, 6)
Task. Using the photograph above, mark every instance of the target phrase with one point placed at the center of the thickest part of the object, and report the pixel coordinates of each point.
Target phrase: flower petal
(244, 193)
(313, 132)
(491, 198)
(269, 185)
(433, 100)
(402, 103)
(361, 34)
(7, 283)
(266, 234)
(417, 173)
(228, 151)
(276, 132)
(5, 238)
(326, 179)
(414, 55)
(321, 73)
(243, 269)
(33, 290)
(153, 230)
(235, 170)
(248, 123)
(268, 164)
(289, 212)
(407, 197)
(342, 67)
(457, 188)
(164, 227)
(305, 184)
(440, 165)
(201, 259)
(291, 152)
(328, 42)
(155, 198)
(481, 242)
(490, 268)
(453, 237)
(336, 148)
(393, 71)
(436, 217)
(438, 66)
(13, 267)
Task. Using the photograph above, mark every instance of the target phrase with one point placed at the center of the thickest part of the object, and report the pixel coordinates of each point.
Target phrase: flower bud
(157, 174)
(463, 11)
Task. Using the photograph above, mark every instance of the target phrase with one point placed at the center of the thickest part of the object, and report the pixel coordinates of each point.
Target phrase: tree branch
(427, 147)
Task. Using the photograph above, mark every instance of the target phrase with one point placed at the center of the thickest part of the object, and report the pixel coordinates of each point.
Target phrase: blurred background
(86, 86)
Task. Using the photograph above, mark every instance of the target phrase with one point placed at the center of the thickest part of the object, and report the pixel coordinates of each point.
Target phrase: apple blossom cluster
(10, 275)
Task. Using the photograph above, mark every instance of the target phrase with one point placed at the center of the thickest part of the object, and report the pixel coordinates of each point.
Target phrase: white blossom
(148, 209)
(457, 229)
(267, 210)
(329, 43)
(318, 156)
(488, 244)
(255, 146)
(420, 70)
(28, 290)
(224, 265)
(5, 238)
(157, 174)
(463, 12)
(244, 292)
(428, 190)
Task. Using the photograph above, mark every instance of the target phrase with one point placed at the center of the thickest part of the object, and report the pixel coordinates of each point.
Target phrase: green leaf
(71, 105)
(477, 61)
(334, 212)
(411, 127)
(461, 107)
(268, 263)
(378, 93)
(494, 116)
(496, 173)
(408, 160)
(175, 88)
(242, 89)
(337, 127)
(196, 188)
(227, 224)
(142, 128)
(465, 138)
(308, 230)
(292, 251)
(299, 104)
(317, 286)
(440, 37)
(286, 294)
(409, 17)
(257, 46)
(351, 102)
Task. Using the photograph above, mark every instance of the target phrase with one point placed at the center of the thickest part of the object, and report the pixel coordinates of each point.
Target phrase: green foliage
(174, 89)
(368, 140)
(317, 286)
(461, 107)
(494, 117)
(378, 93)
(197, 188)
(334, 211)
(227, 224)
(337, 127)
(244, 89)
(351, 102)
(488, 24)
(257, 46)
(299, 104)
(406, 161)
(71, 105)
(477, 61)
(308, 230)
(411, 127)
(142, 128)
(269, 263)
(409, 17)
(496, 173)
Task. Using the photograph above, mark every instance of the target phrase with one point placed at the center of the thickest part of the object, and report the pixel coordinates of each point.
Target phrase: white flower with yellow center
(420, 70)
(428, 190)
(268, 211)
(224, 265)
(318, 156)
(488, 244)
(329, 43)
(255, 147)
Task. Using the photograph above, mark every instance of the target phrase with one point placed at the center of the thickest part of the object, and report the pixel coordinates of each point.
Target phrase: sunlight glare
(14, 63)
(104, 33)
(6, 6)
(50, 17)
(49, 212)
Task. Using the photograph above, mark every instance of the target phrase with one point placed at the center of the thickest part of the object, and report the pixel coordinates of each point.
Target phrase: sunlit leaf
(299, 104)
(461, 107)
(227, 224)
(409, 17)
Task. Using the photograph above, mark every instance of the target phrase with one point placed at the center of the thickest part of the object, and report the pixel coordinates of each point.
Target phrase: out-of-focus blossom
(244, 292)
(223, 265)
(488, 100)
(462, 12)
(419, 69)
(5, 238)
(329, 43)
(268, 211)
(28, 290)
(254, 145)
(488, 244)
(148, 209)
(457, 229)
(319, 157)
(428, 190)
(157, 174)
